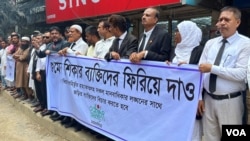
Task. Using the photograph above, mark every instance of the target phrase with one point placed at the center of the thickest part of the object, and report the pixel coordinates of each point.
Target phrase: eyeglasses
(47, 37)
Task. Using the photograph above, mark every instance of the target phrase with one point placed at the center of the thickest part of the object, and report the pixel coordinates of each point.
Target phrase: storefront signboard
(65, 10)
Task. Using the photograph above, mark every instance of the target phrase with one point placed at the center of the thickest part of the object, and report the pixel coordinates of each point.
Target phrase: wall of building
(34, 12)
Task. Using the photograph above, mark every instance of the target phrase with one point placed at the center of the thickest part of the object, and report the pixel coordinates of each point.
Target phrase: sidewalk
(53, 127)
(16, 126)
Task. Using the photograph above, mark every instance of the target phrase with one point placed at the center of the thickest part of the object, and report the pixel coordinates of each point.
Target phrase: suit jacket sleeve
(40, 53)
(128, 45)
(131, 46)
(160, 48)
(196, 54)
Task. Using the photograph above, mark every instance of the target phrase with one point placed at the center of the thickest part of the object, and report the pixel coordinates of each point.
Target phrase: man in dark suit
(155, 43)
(57, 44)
(125, 43)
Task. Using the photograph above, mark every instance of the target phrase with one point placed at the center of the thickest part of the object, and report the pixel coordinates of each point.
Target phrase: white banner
(150, 101)
(10, 68)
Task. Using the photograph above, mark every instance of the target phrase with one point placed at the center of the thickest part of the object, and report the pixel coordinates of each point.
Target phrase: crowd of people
(223, 60)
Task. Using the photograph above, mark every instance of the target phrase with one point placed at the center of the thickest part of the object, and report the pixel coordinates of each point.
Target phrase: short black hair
(92, 31)
(55, 28)
(66, 29)
(105, 23)
(118, 21)
(4, 40)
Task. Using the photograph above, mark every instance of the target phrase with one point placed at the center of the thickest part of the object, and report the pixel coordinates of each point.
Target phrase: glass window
(203, 22)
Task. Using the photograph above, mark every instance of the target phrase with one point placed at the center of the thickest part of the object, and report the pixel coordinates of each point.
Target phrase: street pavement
(16, 126)
(18, 122)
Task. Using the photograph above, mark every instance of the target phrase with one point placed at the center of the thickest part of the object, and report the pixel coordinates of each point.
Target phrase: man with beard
(92, 37)
(21, 57)
(57, 43)
(76, 45)
(11, 49)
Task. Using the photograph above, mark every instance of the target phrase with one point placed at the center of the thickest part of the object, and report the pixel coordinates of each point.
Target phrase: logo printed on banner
(131, 97)
(97, 113)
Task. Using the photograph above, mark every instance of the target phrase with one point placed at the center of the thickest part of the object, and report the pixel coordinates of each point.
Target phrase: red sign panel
(64, 10)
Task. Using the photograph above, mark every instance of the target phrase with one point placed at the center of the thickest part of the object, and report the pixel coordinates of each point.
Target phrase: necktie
(116, 44)
(34, 65)
(142, 43)
(213, 77)
(72, 45)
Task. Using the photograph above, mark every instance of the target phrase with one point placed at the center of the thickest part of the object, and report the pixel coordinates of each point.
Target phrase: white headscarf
(190, 38)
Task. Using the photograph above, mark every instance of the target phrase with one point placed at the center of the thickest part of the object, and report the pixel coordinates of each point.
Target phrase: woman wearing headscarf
(188, 51)
(187, 38)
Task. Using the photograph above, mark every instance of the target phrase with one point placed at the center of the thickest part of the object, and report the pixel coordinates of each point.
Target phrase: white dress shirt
(232, 71)
(122, 38)
(80, 46)
(248, 73)
(102, 47)
(41, 62)
(148, 34)
(29, 70)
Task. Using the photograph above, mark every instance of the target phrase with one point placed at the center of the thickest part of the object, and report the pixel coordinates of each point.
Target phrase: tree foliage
(16, 15)
(10, 17)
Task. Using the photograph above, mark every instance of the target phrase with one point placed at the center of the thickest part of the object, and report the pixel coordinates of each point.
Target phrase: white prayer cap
(25, 38)
(78, 27)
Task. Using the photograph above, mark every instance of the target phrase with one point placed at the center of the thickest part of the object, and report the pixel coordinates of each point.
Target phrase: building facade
(33, 15)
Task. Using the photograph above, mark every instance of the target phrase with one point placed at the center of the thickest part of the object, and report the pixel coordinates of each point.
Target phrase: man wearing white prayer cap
(78, 46)
(78, 27)
(22, 56)
(25, 38)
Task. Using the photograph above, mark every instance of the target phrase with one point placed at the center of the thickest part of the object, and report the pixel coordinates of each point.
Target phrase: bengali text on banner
(124, 101)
